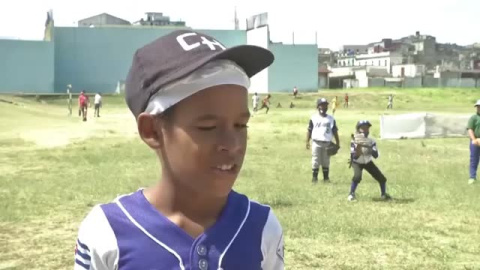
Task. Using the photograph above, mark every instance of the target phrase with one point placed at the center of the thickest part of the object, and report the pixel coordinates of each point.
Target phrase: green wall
(26, 66)
(95, 59)
(294, 65)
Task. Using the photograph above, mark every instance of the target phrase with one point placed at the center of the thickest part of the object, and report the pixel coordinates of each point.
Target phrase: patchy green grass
(54, 168)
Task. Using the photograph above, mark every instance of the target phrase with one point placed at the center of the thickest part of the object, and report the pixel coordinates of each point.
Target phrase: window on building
(386, 63)
(379, 63)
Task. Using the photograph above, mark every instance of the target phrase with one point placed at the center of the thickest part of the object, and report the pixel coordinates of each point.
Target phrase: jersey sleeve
(96, 247)
(375, 152)
(471, 123)
(272, 244)
(353, 147)
(310, 126)
(334, 128)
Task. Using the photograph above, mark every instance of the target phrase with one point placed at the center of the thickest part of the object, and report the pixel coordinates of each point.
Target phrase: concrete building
(97, 59)
(325, 56)
(346, 60)
(102, 20)
(355, 49)
(408, 71)
(158, 19)
(383, 59)
(323, 72)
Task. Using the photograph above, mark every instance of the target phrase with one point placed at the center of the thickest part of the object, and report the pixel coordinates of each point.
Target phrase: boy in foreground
(189, 96)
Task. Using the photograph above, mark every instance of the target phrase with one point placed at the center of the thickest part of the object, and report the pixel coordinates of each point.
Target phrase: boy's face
(322, 108)
(205, 140)
(364, 129)
(478, 109)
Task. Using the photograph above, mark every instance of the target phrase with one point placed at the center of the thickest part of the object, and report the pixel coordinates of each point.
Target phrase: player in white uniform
(98, 105)
(255, 101)
(194, 117)
(322, 128)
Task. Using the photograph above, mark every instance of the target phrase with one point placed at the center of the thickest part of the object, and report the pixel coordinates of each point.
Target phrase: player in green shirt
(473, 128)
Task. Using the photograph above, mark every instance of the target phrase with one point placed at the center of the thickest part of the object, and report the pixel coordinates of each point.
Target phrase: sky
(337, 23)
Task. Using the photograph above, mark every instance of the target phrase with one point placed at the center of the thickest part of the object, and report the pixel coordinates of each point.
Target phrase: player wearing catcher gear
(473, 128)
(322, 128)
(189, 96)
(363, 150)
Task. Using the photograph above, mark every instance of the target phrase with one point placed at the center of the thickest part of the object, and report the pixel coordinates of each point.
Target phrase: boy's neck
(183, 206)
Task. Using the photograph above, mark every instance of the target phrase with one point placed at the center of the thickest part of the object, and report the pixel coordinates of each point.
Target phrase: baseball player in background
(334, 105)
(266, 103)
(83, 105)
(255, 100)
(322, 128)
(195, 120)
(390, 102)
(473, 128)
(98, 105)
(69, 100)
(363, 150)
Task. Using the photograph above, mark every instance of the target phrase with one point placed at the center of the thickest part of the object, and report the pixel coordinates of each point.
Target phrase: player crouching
(363, 151)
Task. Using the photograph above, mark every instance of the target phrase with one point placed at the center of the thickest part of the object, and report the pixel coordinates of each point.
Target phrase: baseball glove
(365, 143)
(332, 149)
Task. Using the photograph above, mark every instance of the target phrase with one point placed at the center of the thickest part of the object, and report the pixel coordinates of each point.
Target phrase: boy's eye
(207, 128)
(241, 126)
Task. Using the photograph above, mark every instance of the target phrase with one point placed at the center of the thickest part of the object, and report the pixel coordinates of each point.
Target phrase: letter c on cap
(205, 41)
(184, 44)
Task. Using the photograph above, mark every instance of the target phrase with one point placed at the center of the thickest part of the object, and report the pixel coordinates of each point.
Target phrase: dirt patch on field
(66, 133)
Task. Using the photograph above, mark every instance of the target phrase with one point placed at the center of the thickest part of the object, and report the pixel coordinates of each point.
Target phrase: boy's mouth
(225, 167)
(228, 168)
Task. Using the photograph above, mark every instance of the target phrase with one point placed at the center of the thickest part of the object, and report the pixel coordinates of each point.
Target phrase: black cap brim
(252, 59)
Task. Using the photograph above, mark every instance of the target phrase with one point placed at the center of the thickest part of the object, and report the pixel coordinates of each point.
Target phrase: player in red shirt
(345, 105)
(82, 105)
(266, 103)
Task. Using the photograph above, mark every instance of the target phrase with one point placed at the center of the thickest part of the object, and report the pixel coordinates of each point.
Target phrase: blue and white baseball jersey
(130, 234)
(322, 127)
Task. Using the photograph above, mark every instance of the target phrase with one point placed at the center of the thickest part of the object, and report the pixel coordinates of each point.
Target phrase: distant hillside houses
(415, 56)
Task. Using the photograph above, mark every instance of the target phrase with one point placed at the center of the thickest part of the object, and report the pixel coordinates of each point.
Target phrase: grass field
(54, 168)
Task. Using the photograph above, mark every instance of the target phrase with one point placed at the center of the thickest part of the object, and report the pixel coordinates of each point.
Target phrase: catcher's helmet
(363, 123)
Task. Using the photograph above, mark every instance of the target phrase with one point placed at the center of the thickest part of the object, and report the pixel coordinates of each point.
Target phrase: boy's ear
(149, 130)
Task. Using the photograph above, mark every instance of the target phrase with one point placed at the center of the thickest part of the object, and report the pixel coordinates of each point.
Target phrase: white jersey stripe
(180, 262)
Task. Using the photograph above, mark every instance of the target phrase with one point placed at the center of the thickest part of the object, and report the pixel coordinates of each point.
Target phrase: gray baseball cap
(477, 104)
(178, 54)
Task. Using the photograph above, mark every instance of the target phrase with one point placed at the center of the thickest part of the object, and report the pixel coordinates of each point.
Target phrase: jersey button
(203, 264)
(201, 250)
